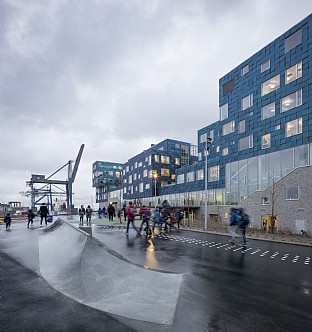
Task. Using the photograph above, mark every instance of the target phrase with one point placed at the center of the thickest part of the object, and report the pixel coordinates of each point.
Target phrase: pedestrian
(178, 216)
(44, 212)
(30, 216)
(156, 220)
(82, 212)
(88, 215)
(119, 215)
(146, 216)
(242, 224)
(100, 211)
(104, 212)
(234, 219)
(111, 212)
(124, 209)
(7, 220)
(131, 213)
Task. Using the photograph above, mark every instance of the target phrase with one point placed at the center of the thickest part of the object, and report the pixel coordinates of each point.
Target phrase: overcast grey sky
(117, 75)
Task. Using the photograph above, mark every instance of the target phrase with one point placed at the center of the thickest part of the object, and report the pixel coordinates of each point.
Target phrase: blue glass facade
(264, 131)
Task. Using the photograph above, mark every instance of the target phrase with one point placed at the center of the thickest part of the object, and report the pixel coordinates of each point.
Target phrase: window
(292, 193)
(147, 186)
(293, 73)
(245, 70)
(213, 173)
(291, 101)
(224, 110)
(225, 151)
(145, 173)
(266, 141)
(211, 134)
(241, 126)
(265, 200)
(164, 183)
(268, 111)
(156, 158)
(217, 149)
(180, 178)
(277, 127)
(190, 177)
(245, 143)
(294, 127)
(140, 164)
(202, 138)
(228, 87)
(165, 160)
(177, 161)
(173, 177)
(270, 85)
(247, 102)
(265, 66)
(164, 172)
(228, 128)
(141, 187)
(293, 40)
(200, 174)
(136, 164)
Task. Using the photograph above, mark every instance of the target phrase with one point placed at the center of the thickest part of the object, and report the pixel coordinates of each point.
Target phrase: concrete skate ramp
(76, 265)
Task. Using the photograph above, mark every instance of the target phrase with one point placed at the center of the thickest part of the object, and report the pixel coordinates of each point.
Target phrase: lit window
(165, 160)
(293, 73)
(141, 187)
(291, 101)
(165, 172)
(225, 151)
(247, 101)
(270, 85)
(265, 66)
(241, 126)
(140, 164)
(217, 149)
(268, 111)
(245, 143)
(228, 128)
(266, 141)
(177, 161)
(145, 173)
(156, 158)
(224, 111)
(245, 70)
(213, 173)
(147, 186)
(173, 177)
(294, 127)
(277, 127)
(292, 193)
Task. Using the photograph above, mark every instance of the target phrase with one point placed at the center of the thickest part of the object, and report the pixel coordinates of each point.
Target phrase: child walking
(7, 220)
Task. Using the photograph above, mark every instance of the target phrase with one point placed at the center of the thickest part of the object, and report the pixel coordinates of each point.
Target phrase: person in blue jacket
(234, 221)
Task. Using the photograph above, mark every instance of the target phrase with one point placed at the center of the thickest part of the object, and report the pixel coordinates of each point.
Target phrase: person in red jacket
(131, 213)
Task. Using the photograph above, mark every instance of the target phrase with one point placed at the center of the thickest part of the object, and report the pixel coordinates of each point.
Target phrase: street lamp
(207, 148)
(155, 180)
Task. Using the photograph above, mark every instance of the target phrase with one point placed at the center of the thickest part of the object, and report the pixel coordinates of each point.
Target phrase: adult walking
(82, 212)
(131, 213)
(88, 215)
(111, 212)
(234, 220)
(242, 224)
(44, 212)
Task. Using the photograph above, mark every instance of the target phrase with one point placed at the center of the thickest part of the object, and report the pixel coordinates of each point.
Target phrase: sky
(117, 76)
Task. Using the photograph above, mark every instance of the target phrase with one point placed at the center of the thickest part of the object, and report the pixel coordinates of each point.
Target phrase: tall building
(263, 134)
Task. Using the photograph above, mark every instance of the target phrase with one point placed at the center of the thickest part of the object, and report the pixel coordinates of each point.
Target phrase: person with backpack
(131, 213)
(243, 223)
(234, 220)
(43, 212)
(30, 216)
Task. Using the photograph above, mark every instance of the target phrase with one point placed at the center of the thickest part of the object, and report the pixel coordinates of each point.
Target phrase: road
(264, 287)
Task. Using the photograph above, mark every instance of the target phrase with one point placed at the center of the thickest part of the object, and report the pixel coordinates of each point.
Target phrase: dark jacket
(43, 211)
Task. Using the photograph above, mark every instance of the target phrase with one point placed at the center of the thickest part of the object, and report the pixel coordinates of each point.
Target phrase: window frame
(298, 126)
(297, 101)
(287, 198)
(267, 111)
(274, 81)
(263, 68)
(297, 68)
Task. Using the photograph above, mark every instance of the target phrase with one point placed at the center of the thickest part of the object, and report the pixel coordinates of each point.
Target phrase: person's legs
(41, 218)
(128, 224)
(232, 232)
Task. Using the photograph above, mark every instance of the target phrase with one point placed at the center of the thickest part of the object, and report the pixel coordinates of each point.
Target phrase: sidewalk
(223, 228)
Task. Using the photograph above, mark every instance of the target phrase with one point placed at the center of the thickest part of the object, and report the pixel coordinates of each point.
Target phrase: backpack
(244, 221)
(133, 211)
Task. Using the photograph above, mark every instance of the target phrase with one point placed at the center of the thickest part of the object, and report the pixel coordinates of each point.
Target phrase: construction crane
(51, 187)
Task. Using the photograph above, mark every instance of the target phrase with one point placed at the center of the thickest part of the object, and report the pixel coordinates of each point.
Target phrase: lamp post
(155, 180)
(207, 148)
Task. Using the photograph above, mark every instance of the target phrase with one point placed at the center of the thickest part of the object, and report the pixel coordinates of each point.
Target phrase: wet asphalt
(266, 286)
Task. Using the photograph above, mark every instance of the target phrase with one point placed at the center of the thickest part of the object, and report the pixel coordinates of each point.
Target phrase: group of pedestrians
(85, 212)
(238, 218)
